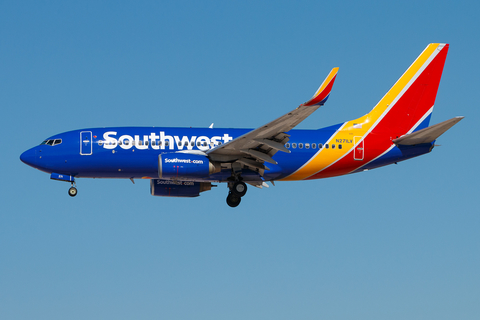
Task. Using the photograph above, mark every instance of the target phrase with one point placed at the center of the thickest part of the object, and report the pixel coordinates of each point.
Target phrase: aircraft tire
(233, 200)
(72, 192)
(239, 189)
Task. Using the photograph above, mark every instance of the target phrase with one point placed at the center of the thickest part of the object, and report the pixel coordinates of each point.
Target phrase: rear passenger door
(358, 152)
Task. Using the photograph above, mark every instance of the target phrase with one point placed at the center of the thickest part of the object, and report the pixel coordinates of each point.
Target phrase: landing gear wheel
(72, 192)
(233, 200)
(239, 189)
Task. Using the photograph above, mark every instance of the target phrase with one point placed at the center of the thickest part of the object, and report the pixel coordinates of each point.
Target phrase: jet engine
(185, 167)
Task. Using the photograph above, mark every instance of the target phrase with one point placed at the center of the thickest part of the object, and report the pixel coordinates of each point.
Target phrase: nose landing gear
(237, 190)
(72, 192)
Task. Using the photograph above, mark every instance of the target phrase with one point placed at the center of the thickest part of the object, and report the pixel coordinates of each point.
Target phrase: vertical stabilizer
(404, 109)
(407, 106)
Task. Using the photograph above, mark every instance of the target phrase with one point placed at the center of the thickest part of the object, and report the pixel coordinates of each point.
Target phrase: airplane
(184, 162)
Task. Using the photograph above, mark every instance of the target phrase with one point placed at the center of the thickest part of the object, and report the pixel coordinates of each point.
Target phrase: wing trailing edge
(427, 135)
(261, 144)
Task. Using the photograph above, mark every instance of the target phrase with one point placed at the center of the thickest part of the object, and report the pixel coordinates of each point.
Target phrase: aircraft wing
(258, 146)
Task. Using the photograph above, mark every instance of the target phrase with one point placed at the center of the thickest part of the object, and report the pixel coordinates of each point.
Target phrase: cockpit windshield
(51, 142)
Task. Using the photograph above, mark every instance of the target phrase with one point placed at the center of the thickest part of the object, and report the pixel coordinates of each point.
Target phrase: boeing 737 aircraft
(183, 162)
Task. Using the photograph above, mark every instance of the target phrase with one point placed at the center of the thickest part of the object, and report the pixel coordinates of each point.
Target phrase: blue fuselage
(132, 152)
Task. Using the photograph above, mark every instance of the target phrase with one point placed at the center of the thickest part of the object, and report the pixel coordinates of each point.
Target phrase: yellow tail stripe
(327, 80)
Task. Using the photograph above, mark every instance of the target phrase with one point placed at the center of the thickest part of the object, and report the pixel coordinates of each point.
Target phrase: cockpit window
(51, 142)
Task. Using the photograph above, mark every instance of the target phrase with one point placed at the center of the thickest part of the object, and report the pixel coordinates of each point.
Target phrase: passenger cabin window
(287, 145)
(326, 146)
(307, 145)
(320, 146)
(339, 146)
(300, 145)
(294, 145)
(314, 146)
(333, 146)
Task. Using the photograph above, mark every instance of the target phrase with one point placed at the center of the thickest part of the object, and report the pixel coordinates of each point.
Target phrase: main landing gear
(237, 190)
(72, 192)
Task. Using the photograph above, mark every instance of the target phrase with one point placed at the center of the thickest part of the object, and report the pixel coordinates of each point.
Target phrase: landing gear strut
(237, 190)
(72, 192)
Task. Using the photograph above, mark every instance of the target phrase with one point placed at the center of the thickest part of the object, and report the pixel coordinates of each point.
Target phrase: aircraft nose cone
(28, 157)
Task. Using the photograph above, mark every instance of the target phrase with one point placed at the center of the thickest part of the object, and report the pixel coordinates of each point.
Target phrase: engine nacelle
(168, 188)
(185, 167)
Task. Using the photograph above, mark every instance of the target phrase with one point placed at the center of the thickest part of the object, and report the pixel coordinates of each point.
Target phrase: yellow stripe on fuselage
(361, 126)
(325, 157)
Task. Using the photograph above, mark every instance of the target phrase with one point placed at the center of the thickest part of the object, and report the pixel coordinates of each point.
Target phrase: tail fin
(407, 106)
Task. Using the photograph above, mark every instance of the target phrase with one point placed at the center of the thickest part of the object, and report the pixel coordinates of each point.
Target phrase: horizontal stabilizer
(427, 135)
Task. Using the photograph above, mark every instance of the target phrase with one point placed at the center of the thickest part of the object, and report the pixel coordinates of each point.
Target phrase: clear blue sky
(400, 242)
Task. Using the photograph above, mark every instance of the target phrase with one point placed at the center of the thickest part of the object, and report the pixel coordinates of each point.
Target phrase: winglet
(324, 90)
